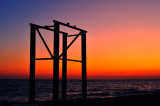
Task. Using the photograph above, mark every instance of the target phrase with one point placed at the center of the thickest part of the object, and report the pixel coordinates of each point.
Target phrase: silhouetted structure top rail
(68, 25)
(45, 27)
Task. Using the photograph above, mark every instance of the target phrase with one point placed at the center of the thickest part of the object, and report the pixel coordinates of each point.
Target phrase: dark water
(18, 90)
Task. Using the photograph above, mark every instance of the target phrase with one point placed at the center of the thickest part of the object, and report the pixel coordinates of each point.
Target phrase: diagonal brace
(44, 43)
(71, 43)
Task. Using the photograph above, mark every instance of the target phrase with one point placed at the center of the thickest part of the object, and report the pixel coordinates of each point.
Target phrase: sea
(17, 90)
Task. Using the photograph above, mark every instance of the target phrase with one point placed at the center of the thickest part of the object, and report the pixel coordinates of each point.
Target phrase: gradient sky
(123, 39)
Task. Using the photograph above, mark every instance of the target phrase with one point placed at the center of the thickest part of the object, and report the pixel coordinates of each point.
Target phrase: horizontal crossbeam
(49, 26)
(44, 59)
(59, 58)
(67, 25)
(45, 27)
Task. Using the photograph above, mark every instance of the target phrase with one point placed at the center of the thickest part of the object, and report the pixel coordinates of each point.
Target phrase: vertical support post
(84, 76)
(56, 61)
(64, 66)
(32, 63)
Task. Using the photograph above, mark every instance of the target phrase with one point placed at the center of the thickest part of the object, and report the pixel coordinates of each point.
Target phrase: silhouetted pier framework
(56, 57)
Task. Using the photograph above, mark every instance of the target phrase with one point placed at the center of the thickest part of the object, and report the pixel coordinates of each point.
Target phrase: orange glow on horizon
(123, 41)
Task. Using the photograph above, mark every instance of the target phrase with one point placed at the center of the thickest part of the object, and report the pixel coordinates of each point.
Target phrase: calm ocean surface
(18, 90)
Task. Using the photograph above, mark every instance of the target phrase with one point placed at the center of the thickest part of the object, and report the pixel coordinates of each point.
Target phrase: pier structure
(56, 57)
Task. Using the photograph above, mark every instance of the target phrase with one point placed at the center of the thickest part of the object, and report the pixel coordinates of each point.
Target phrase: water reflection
(18, 90)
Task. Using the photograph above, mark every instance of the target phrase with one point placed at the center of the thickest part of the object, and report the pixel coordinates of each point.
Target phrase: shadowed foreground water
(18, 90)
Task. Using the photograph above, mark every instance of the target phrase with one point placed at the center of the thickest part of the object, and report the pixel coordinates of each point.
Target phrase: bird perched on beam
(68, 23)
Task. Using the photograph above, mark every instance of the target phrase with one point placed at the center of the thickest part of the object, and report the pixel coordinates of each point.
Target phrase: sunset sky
(123, 39)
